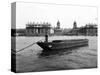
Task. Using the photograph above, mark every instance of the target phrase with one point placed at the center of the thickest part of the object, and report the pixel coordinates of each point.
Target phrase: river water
(34, 59)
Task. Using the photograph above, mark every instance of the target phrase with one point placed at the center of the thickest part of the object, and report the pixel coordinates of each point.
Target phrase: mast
(46, 38)
(46, 35)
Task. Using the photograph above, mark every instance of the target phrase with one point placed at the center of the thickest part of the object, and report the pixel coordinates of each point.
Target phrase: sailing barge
(62, 44)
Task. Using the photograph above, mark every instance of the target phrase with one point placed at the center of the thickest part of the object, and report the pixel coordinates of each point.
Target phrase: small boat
(62, 44)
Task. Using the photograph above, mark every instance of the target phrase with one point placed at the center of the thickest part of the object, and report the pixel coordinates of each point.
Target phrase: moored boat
(62, 44)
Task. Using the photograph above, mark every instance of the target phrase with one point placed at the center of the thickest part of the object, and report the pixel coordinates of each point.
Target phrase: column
(38, 31)
(34, 31)
(44, 30)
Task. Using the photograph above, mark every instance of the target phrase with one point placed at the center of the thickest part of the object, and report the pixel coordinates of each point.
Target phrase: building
(18, 32)
(57, 29)
(37, 29)
(58, 25)
(75, 30)
(91, 30)
(74, 25)
(87, 30)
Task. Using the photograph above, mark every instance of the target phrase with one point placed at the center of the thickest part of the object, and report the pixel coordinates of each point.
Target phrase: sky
(51, 13)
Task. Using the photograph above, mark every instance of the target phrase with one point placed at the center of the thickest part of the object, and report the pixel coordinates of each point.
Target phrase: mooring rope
(14, 51)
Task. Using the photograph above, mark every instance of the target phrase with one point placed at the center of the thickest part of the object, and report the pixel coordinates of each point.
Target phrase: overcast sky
(66, 14)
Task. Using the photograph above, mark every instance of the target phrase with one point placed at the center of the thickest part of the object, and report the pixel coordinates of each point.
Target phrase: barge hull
(63, 44)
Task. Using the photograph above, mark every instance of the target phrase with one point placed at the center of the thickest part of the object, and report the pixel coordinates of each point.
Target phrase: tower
(74, 25)
(58, 24)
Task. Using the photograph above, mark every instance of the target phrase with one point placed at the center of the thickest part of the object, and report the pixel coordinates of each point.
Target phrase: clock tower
(58, 25)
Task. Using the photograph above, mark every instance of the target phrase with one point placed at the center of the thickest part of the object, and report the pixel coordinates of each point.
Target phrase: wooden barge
(62, 44)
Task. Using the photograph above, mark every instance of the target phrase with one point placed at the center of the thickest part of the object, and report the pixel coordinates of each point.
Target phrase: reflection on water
(36, 59)
(48, 54)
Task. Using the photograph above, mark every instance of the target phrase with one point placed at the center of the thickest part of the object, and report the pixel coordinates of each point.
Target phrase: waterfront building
(75, 30)
(57, 29)
(91, 30)
(18, 32)
(37, 29)
(87, 30)
(74, 25)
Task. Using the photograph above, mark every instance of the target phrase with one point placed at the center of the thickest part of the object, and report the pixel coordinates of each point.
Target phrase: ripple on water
(34, 59)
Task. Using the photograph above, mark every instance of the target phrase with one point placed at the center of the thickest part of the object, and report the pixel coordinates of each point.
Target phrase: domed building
(57, 29)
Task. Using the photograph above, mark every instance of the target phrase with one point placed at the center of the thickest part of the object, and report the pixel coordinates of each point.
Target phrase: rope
(14, 51)
(25, 47)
